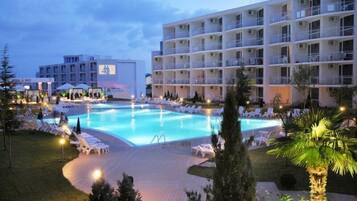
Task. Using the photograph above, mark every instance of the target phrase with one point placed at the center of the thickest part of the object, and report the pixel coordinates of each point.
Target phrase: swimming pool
(138, 124)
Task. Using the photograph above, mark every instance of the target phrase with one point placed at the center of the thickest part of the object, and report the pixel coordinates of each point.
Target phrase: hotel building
(270, 39)
(120, 78)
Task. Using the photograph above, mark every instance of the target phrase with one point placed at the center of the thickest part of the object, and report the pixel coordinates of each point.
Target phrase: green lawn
(268, 168)
(37, 172)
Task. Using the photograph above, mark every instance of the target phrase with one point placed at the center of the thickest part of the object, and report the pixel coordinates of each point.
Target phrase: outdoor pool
(138, 124)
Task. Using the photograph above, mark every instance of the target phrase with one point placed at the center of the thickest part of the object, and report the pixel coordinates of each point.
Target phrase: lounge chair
(269, 113)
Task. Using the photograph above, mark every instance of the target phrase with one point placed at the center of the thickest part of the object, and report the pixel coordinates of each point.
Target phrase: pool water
(137, 125)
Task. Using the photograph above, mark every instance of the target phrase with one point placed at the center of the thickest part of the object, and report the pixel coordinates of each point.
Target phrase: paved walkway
(159, 171)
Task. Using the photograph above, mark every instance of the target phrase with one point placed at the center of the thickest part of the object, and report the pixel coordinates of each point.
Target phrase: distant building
(119, 78)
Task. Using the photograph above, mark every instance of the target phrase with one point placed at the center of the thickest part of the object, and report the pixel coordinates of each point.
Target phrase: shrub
(288, 181)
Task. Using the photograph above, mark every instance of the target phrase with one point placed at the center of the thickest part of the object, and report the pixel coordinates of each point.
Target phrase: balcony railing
(157, 81)
(182, 65)
(306, 12)
(198, 81)
(182, 34)
(213, 64)
(169, 51)
(312, 34)
(337, 7)
(198, 64)
(233, 44)
(256, 80)
(338, 56)
(281, 80)
(255, 61)
(157, 67)
(213, 81)
(260, 21)
(231, 81)
(213, 46)
(213, 29)
(198, 48)
(170, 66)
(279, 59)
(281, 38)
(181, 81)
(314, 57)
(234, 62)
(182, 50)
(170, 35)
(338, 31)
(283, 17)
(197, 31)
(340, 80)
(253, 42)
(234, 25)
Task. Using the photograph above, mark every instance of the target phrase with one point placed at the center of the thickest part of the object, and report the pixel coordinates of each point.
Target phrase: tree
(343, 95)
(318, 144)
(233, 177)
(101, 191)
(78, 128)
(126, 191)
(302, 80)
(242, 87)
(8, 115)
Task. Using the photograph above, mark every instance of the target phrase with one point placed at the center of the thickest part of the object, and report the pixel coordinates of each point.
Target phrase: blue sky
(42, 31)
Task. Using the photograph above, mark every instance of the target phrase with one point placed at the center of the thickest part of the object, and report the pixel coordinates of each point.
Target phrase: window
(72, 68)
(346, 74)
(82, 67)
(314, 29)
(314, 95)
(55, 69)
(63, 68)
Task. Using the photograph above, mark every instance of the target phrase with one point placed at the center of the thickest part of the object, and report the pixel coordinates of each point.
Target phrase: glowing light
(181, 99)
(280, 107)
(208, 101)
(62, 141)
(132, 96)
(97, 174)
(248, 102)
(161, 97)
(342, 108)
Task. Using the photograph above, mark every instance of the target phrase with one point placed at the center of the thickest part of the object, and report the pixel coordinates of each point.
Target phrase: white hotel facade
(270, 39)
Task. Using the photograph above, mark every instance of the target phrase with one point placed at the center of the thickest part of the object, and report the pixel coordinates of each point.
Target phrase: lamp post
(342, 108)
(62, 141)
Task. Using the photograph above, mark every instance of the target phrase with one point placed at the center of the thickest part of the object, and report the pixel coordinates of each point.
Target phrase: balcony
(234, 62)
(260, 21)
(198, 81)
(280, 80)
(213, 81)
(306, 12)
(169, 51)
(314, 57)
(213, 64)
(255, 80)
(255, 61)
(337, 7)
(181, 81)
(213, 29)
(157, 81)
(280, 59)
(182, 50)
(213, 46)
(234, 25)
(253, 42)
(157, 67)
(338, 31)
(338, 56)
(198, 31)
(236, 43)
(170, 66)
(182, 34)
(198, 48)
(231, 81)
(312, 34)
(198, 64)
(170, 35)
(340, 80)
(283, 17)
(182, 65)
(281, 38)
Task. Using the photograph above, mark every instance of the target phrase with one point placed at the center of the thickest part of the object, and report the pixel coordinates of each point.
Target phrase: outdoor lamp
(97, 174)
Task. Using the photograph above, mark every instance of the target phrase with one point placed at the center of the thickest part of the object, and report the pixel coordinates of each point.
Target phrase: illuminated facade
(120, 78)
(271, 39)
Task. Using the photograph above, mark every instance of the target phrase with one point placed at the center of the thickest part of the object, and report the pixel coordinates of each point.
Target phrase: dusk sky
(42, 31)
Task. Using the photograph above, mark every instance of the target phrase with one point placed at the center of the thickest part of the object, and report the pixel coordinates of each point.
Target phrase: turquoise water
(139, 124)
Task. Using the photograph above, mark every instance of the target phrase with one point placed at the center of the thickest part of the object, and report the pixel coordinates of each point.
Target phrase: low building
(119, 78)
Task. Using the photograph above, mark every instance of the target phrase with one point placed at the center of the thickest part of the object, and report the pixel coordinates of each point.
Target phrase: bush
(288, 181)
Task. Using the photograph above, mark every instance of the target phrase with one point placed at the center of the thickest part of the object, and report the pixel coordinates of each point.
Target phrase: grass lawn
(268, 168)
(37, 172)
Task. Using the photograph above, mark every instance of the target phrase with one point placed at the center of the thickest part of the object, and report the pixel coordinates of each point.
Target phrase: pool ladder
(158, 137)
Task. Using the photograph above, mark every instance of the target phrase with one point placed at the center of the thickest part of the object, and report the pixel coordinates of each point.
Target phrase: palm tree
(318, 144)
